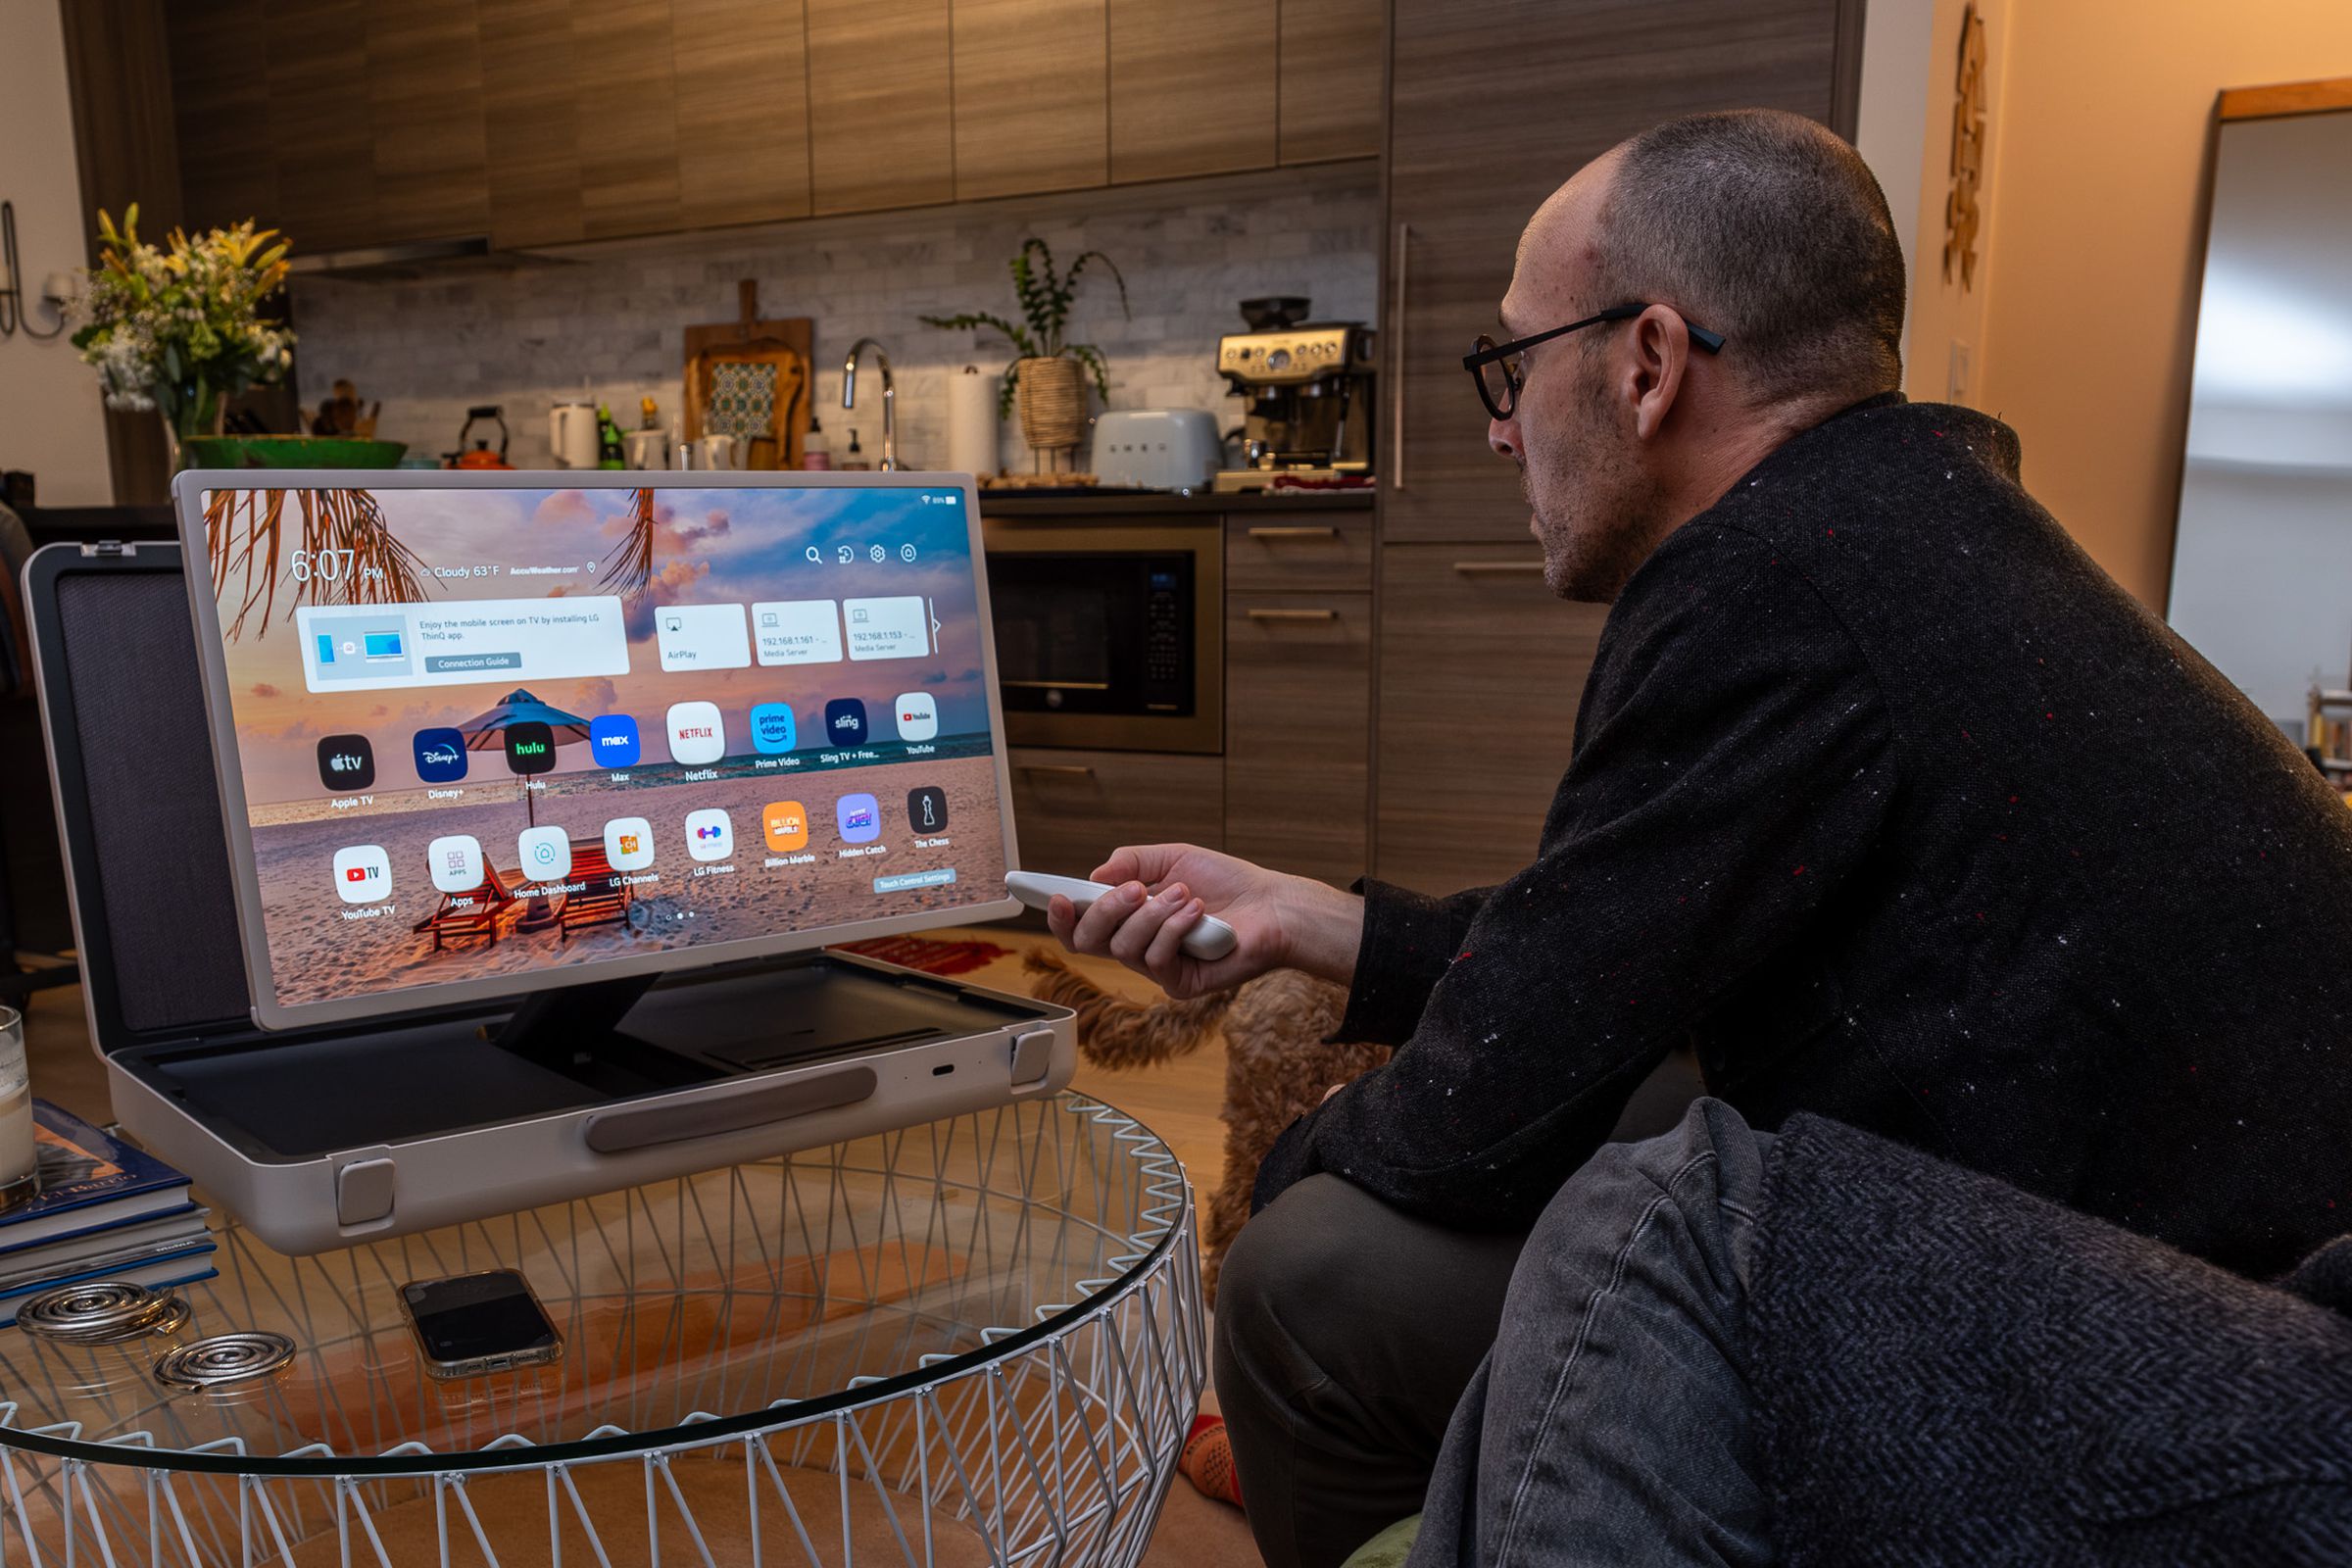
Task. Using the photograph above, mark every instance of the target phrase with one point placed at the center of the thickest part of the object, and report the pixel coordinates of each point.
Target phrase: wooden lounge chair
(480, 911)
(602, 900)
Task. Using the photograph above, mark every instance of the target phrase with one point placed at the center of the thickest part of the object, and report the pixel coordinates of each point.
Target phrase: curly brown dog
(1277, 1064)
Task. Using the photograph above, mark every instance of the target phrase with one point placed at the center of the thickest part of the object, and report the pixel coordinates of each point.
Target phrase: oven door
(1110, 636)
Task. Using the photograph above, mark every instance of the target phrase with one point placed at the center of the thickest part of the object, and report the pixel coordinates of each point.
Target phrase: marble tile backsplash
(609, 318)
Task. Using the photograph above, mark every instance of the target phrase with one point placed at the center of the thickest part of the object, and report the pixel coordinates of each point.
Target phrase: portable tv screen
(487, 734)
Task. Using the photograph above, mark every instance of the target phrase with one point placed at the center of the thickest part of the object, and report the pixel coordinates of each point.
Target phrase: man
(1884, 796)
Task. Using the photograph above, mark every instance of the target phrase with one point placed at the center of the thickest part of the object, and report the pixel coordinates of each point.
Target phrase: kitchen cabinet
(528, 126)
(1481, 670)
(1332, 59)
(1032, 111)
(1494, 103)
(1193, 88)
(881, 129)
(315, 59)
(431, 165)
(626, 102)
(1299, 551)
(742, 74)
(220, 114)
(1298, 721)
(1073, 808)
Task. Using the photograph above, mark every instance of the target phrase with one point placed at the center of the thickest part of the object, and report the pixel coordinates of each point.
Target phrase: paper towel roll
(971, 422)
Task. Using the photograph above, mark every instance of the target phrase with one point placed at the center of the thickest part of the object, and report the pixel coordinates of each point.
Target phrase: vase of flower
(178, 328)
(1048, 377)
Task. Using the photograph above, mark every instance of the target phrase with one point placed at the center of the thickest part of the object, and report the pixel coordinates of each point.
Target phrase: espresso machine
(1307, 392)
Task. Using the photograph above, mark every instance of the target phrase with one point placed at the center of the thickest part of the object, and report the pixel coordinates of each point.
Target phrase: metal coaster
(176, 1315)
(223, 1359)
(97, 1312)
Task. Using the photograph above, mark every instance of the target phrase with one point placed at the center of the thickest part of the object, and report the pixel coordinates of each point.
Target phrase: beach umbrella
(487, 733)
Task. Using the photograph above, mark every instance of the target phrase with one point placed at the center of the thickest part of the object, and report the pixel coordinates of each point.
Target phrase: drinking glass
(20, 1165)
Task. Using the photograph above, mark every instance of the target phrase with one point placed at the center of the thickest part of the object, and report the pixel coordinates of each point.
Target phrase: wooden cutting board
(787, 344)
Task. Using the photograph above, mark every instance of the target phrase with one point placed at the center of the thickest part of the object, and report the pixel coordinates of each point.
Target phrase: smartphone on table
(472, 1324)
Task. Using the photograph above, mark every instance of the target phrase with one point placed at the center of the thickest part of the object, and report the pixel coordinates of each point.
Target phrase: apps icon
(613, 740)
(786, 823)
(844, 722)
(363, 873)
(346, 762)
(927, 808)
(440, 755)
(531, 747)
(859, 817)
(771, 728)
(629, 843)
(456, 863)
(919, 716)
(696, 733)
(710, 835)
(546, 854)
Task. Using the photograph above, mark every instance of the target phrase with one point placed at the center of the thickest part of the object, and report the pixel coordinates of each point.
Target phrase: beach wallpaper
(486, 732)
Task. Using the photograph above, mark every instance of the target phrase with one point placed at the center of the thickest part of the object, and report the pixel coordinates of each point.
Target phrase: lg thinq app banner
(486, 732)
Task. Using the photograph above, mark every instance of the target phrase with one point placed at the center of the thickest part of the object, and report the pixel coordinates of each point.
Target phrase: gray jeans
(1362, 1376)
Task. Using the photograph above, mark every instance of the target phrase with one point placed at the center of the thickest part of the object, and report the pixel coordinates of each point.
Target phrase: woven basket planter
(1052, 403)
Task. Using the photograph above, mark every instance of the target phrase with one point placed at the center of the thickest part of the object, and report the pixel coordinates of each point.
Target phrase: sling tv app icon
(844, 722)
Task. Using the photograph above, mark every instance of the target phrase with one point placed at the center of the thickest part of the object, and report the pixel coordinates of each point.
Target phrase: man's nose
(1504, 436)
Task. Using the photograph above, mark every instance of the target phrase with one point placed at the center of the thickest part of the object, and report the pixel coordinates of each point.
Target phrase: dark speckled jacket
(1906, 814)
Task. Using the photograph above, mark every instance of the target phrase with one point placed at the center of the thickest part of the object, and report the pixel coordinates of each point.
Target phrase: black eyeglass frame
(1489, 352)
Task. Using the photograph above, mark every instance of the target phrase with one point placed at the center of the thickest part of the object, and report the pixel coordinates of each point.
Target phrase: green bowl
(289, 452)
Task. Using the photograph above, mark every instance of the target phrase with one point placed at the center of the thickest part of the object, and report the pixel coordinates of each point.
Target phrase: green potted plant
(1048, 374)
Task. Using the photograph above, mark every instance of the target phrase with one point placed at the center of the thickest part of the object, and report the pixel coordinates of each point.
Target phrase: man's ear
(1659, 347)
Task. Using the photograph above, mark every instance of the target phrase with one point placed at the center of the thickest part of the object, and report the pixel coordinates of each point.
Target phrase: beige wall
(52, 421)
(2099, 148)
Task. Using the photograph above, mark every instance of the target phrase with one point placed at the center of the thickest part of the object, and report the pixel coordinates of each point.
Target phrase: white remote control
(1209, 941)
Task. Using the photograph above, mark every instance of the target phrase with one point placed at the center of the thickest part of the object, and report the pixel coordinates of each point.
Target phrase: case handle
(616, 1132)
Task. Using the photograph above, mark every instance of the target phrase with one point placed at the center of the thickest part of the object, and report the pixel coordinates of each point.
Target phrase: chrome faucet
(890, 398)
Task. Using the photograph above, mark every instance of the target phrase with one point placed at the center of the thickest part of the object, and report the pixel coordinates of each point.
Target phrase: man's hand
(1161, 891)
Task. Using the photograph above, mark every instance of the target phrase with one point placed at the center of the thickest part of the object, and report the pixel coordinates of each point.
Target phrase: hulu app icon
(531, 747)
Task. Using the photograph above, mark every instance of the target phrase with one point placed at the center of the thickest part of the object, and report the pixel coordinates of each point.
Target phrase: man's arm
(1408, 940)
(1736, 769)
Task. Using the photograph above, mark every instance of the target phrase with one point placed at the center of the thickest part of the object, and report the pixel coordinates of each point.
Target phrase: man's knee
(1291, 1268)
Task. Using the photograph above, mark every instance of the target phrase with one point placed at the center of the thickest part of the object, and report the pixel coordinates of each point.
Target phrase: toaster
(1158, 448)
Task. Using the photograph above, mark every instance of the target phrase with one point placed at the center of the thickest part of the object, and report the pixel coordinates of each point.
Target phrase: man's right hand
(1161, 891)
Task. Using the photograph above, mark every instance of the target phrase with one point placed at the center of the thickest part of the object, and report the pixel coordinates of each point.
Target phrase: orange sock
(1208, 1461)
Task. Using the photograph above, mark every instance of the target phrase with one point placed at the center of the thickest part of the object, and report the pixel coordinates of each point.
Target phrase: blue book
(184, 1267)
(89, 1181)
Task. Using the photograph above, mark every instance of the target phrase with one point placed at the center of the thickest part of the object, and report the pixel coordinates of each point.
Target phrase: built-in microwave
(1110, 634)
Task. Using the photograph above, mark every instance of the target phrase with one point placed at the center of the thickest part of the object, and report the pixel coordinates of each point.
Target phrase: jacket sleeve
(1736, 769)
(1410, 938)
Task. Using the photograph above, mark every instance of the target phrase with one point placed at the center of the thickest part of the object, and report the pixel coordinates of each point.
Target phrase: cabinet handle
(1395, 387)
(1057, 769)
(1294, 615)
(1496, 569)
(1296, 531)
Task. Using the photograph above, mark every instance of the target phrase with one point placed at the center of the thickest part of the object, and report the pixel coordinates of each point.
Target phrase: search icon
(814, 553)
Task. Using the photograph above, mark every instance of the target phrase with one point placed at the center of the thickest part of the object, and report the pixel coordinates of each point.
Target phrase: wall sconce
(57, 289)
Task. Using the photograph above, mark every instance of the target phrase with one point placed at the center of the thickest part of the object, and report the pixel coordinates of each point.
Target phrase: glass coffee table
(975, 1342)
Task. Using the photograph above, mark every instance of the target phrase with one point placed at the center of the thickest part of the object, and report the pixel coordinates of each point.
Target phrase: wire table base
(978, 1341)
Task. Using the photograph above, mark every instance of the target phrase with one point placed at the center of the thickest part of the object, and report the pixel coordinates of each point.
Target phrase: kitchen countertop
(1015, 503)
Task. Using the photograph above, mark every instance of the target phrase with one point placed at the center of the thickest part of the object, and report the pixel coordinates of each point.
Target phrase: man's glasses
(1497, 370)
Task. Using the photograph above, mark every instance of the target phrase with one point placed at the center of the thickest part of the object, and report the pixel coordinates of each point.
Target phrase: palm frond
(629, 566)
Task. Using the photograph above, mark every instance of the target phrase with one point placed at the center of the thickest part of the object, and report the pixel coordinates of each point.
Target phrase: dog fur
(1278, 1064)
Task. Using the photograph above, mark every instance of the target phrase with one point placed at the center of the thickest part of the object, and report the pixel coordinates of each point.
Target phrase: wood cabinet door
(531, 127)
(220, 115)
(1333, 60)
(1297, 725)
(1494, 104)
(626, 107)
(1192, 88)
(880, 129)
(1032, 109)
(1071, 809)
(424, 101)
(742, 73)
(321, 127)
(1481, 673)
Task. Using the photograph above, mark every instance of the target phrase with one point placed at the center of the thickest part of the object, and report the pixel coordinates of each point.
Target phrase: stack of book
(105, 1211)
